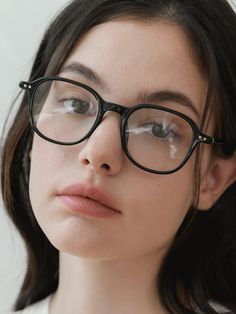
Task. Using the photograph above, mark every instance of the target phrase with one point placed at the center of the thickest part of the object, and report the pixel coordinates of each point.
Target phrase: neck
(95, 286)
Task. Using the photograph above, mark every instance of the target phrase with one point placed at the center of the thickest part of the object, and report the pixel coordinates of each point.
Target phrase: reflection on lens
(64, 112)
(158, 140)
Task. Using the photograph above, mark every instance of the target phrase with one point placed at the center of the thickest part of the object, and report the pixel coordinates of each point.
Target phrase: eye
(162, 130)
(77, 106)
(159, 130)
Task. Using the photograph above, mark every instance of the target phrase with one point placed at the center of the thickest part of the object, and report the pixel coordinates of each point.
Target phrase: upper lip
(89, 191)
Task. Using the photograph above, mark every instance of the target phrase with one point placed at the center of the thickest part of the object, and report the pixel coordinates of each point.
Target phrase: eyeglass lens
(156, 139)
(63, 111)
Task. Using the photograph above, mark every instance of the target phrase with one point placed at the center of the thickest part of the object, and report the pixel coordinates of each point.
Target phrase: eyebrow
(144, 96)
(85, 71)
(169, 95)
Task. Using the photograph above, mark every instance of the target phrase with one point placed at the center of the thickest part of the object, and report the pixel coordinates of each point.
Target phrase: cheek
(38, 173)
(49, 167)
(41, 163)
(159, 206)
(44, 169)
(47, 160)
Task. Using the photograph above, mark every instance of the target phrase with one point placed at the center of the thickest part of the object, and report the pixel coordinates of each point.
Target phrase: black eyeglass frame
(124, 112)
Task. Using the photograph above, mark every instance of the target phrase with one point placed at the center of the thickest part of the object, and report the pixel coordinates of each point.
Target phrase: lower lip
(87, 206)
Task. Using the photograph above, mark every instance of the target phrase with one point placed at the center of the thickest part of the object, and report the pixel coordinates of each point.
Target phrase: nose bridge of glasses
(109, 106)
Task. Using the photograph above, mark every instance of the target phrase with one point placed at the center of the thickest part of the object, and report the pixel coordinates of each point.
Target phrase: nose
(102, 152)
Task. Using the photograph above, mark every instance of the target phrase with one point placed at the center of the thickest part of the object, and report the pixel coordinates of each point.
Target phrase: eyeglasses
(155, 139)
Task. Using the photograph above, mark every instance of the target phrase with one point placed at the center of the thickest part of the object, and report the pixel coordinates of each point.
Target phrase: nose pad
(102, 151)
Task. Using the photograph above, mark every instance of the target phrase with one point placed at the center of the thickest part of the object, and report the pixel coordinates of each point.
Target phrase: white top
(40, 307)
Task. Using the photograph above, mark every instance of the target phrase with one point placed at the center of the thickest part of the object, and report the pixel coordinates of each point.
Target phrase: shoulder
(220, 308)
(40, 307)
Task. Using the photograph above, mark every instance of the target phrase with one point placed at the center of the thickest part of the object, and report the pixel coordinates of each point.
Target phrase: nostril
(105, 166)
(86, 162)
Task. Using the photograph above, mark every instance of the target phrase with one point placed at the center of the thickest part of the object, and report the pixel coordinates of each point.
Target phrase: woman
(122, 178)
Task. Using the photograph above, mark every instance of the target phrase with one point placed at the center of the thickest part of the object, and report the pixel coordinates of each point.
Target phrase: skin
(110, 265)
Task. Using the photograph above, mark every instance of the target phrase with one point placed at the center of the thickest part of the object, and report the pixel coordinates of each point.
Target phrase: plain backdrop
(22, 24)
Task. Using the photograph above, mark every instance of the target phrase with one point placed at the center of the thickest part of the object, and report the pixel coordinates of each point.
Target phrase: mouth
(88, 199)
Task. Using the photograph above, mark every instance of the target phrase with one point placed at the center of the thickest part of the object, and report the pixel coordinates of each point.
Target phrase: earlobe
(220, 175)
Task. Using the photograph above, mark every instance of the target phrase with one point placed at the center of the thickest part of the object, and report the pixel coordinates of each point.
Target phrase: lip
(88, 199)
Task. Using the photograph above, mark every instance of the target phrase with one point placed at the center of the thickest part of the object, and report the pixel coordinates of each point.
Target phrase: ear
(219, 176)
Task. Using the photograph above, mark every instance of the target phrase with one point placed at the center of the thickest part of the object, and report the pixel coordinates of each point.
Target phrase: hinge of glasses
(25, 85)
(206, 140)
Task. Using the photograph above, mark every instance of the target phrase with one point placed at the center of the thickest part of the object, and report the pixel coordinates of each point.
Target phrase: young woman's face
(132, 59)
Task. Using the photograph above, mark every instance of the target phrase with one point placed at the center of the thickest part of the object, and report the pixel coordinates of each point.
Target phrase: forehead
(136, 56)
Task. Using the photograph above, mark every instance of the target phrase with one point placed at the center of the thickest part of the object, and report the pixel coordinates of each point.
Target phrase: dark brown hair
(201, 263)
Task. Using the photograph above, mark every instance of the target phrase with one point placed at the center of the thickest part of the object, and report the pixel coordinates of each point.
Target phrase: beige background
(21, 26)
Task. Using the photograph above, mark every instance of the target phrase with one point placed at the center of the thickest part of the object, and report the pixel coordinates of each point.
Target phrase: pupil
(159, 130)
(79, 106)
